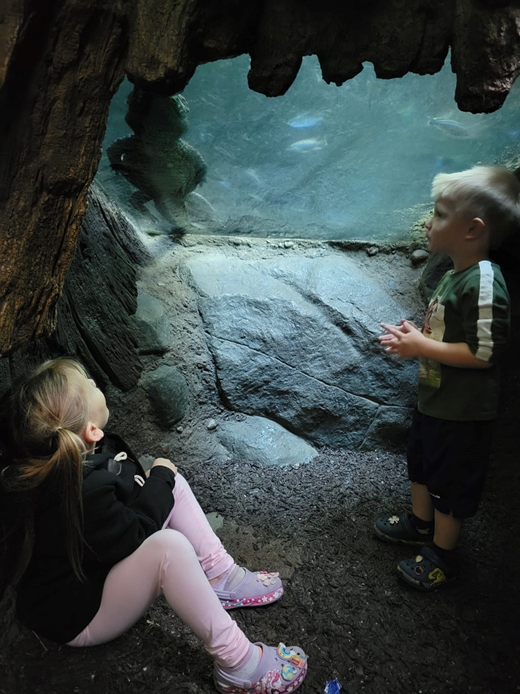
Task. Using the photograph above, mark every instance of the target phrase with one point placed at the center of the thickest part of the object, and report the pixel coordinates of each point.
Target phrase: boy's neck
(465, 261)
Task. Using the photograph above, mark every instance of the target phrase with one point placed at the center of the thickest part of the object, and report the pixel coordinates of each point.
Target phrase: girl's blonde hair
(489, 192)
(46, 414)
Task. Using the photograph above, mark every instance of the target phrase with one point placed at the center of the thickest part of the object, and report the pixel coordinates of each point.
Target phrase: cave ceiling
(61, 61)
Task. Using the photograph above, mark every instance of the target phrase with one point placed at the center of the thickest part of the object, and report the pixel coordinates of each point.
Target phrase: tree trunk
(60, 72)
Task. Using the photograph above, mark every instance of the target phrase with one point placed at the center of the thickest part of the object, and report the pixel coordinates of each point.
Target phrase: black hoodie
(121, 508)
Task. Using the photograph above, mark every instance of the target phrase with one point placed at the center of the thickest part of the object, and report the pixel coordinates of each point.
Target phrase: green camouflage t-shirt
(469, 306)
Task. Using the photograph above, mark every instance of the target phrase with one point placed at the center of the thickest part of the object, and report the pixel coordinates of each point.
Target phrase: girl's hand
(166, 463)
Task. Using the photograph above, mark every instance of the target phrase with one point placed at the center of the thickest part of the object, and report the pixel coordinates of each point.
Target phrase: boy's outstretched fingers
(393, 329)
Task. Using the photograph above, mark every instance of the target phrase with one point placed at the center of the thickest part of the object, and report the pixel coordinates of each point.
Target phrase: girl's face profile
(97, 404)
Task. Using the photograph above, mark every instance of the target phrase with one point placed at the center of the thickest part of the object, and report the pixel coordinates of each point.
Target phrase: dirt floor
(343, 604)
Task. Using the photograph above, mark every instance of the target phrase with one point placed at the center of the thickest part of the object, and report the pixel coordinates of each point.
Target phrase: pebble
(179, 430)
(373, 250)
(211, 425)
(419, 256)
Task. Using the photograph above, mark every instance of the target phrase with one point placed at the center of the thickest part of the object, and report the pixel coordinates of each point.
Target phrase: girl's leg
(188, 518)
(166, 562)
(234, 585)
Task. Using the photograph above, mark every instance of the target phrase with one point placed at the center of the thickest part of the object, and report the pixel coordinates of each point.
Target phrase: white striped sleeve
(485, 312)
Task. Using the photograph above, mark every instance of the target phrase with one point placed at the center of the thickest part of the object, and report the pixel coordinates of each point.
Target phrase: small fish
(309, 145)
(450, 127)
(251, 173)
(305, 121)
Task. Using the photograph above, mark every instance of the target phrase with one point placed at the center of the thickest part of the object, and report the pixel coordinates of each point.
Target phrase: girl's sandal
(255, 589)
(280, 671)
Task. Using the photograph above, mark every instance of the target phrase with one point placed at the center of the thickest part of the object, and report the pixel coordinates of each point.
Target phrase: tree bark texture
(60, 75)
(62, 60)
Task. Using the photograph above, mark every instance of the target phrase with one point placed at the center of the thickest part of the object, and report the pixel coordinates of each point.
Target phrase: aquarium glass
(324, 162)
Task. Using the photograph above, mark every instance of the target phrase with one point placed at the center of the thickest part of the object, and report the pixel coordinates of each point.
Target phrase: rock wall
(295, 340)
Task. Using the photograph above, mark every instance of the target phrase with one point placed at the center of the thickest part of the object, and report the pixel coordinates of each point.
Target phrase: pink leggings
(178, 561)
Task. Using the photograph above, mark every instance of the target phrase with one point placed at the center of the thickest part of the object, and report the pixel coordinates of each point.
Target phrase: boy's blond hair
(489, 192)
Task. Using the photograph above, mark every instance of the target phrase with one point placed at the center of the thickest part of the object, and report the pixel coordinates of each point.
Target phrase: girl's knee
(170, 541)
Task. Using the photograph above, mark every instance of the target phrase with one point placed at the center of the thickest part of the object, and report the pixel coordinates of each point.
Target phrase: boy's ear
(92, 433)
(476, 228)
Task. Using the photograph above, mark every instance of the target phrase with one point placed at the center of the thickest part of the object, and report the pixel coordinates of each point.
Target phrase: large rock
(297, 343)
(168, 392)
(152, 326)
(259, 440)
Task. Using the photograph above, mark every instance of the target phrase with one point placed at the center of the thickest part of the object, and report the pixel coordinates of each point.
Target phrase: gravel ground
(342, 603)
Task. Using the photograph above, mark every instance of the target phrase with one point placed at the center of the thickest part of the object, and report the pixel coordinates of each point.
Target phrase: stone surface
(435, 267)
(297, 342)
(256, 439)
(168, 393)
(419, 256)
(151, 324)
(216, 520)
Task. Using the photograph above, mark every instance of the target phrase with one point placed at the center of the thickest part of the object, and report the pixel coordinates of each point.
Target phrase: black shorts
(451, 459)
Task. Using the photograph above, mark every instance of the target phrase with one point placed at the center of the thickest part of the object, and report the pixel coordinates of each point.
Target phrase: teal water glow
(349, 162)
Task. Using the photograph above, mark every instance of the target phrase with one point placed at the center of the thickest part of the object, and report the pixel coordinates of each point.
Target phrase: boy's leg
(435, 564)
(455, 462)
(422, 505)
(447, 531)
(411, 528)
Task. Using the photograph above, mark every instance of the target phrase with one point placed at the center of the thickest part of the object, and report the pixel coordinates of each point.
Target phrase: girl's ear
(92, 433)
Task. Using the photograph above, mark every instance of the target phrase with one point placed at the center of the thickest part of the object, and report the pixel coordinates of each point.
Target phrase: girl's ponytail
(48, 411)
(71, 454)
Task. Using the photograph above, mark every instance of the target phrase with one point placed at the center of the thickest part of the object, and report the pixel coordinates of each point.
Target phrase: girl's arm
(112, 529)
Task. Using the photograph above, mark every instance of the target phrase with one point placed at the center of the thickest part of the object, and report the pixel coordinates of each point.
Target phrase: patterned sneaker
(280, 671)
(254, 590)
(399, 529)
(426, 571)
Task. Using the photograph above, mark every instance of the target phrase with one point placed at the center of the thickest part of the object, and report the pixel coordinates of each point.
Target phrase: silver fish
(309, 145)
(305, 121)
(450, 127)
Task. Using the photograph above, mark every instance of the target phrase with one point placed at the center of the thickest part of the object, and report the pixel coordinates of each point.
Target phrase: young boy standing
(464, 333)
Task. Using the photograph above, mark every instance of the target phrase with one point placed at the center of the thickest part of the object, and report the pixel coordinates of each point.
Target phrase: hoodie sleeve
(114, 528)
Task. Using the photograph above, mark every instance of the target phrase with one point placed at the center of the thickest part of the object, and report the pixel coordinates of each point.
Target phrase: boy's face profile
(447, 229)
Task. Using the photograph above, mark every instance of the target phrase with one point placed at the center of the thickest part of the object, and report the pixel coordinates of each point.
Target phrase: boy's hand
(404, 340)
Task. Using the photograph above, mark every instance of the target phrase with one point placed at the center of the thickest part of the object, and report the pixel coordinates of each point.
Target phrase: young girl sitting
(89, 540)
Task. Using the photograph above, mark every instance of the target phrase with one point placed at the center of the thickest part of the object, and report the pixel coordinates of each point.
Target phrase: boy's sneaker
(400, 529)
(426, 571)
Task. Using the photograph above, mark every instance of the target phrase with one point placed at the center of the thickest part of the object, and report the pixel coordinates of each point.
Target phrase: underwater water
(325, 162)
